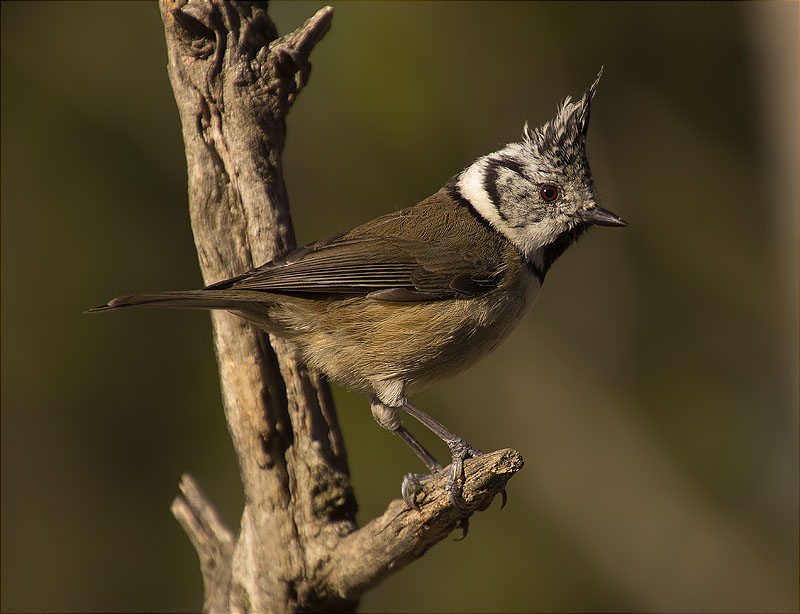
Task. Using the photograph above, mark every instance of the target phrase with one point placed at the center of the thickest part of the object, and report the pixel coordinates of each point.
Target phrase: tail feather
(190, 299)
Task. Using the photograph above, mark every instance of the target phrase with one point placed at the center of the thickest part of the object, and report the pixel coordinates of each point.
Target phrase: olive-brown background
(652, 390)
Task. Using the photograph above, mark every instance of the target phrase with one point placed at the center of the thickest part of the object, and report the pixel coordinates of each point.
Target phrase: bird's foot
(413, 483)
(462, 450)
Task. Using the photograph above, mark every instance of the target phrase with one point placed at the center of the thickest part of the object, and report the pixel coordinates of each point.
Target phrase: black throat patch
(550, 252)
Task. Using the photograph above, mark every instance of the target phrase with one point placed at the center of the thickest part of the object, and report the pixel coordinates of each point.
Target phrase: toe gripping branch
(460, 450)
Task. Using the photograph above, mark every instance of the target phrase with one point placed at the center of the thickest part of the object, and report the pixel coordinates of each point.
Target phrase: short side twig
(212, 540)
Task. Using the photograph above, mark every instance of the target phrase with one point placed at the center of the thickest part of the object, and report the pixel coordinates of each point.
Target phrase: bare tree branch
(298, 547)
(401, 535)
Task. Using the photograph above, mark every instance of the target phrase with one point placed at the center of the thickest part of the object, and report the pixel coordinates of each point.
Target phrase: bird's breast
(358, 342)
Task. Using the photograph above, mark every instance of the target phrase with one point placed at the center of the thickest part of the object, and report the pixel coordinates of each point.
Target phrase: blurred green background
(653, 390)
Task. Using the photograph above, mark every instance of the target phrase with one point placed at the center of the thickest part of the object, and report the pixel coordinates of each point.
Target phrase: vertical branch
(234, 82)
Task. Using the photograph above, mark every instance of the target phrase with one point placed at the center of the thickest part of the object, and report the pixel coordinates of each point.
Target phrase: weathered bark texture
(298, 547)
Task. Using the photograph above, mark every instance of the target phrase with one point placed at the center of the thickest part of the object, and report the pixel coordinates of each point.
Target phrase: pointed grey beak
(601, 217)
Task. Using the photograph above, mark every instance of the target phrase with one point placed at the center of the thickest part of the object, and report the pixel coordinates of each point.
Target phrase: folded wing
(384, 268)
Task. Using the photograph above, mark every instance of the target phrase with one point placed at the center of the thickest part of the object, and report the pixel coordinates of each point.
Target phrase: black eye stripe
(490, 186)
(509, 163)
(512, 164)
(490, 179)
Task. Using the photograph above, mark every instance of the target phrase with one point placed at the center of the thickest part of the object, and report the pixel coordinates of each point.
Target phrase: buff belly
(347, 339)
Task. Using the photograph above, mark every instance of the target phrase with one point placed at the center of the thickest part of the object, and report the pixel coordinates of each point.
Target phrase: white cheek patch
(471, 186)
(528, 238)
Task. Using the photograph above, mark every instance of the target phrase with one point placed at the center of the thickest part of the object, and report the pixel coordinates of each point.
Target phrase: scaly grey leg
(460, 450)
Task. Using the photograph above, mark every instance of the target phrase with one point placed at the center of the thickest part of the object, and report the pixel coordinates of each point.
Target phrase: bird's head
(538, 192)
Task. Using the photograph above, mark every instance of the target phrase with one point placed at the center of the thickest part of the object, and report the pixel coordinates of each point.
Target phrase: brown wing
(384, 268)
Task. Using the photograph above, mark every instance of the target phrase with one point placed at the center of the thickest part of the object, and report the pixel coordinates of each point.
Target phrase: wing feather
(383, 267)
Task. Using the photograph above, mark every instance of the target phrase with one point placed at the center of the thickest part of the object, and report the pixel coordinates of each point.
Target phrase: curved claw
(464, 526)
(505, 498)
(451, 486)
(412, 482)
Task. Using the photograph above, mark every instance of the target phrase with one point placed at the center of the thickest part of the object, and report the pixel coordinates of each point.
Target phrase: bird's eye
(549, 192)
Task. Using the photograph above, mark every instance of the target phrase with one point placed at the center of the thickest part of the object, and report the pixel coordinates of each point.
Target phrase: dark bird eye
(549, 192)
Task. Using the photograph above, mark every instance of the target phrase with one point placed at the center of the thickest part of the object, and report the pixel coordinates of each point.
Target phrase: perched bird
(420, 294)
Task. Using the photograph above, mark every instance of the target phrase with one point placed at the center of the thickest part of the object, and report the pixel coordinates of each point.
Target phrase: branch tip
(304, 38)
(198, 517)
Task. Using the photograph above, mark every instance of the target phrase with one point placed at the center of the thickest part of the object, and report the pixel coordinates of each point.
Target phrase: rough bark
(298, 547)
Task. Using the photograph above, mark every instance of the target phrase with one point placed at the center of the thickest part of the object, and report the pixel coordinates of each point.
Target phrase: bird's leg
(389, 418)
(460, 450)
(412, 482)
(426, 457)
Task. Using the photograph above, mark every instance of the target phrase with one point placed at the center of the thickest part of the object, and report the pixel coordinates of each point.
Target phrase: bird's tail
(189, 299)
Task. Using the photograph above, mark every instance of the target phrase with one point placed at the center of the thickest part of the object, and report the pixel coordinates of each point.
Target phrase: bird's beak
(601, 217)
